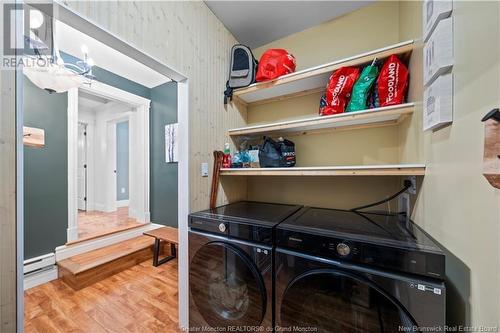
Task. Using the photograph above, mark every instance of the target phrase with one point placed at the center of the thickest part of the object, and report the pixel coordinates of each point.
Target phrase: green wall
(45, 172)
(163, 189)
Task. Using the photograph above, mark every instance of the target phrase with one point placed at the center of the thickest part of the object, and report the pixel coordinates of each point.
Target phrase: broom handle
(218, 158)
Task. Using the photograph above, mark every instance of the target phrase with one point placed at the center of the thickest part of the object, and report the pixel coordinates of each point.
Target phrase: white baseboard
(99, 207)
(37, 263)
(66, 251)
(90, 206)
(122, 203)
(41, 276)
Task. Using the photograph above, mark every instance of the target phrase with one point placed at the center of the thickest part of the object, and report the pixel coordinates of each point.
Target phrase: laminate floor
(95, 223)
(140, 299)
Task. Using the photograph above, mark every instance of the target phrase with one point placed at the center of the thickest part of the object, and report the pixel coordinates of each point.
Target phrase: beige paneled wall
(456, 204)
(187, 36)
(366, 29)
(8, 253)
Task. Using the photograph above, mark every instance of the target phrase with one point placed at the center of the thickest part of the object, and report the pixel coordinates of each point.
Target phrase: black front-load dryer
(230, 269)
(340, 271)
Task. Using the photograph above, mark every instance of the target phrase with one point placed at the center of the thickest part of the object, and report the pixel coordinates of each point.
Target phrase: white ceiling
(255, 23)
(70, 40)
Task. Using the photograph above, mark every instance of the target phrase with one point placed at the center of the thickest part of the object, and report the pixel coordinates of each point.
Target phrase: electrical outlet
(413, 188)
(204, 169)
(123, 189)
(404, 204)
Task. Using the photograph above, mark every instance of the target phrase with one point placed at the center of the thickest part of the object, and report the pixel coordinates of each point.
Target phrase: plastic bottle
(226, 161)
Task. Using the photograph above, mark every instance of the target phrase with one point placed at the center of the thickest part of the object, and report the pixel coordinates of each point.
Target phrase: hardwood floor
(96, 223)
(141, 299)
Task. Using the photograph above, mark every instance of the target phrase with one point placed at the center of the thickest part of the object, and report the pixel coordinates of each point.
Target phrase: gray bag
(241, 71)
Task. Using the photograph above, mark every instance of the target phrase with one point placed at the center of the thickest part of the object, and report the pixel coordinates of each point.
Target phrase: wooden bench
(168, 235)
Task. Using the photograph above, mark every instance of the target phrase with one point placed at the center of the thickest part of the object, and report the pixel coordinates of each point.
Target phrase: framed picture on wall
(171, 143)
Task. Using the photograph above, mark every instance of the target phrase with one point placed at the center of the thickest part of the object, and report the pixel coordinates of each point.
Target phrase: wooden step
(88, 268)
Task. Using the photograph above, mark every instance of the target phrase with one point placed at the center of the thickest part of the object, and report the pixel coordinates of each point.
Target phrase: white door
(82, 166)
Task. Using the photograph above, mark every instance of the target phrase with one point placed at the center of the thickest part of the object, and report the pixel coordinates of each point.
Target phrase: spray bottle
(226, 161)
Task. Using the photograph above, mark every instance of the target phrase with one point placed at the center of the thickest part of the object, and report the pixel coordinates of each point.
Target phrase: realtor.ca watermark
(28, 35)
(456, 328)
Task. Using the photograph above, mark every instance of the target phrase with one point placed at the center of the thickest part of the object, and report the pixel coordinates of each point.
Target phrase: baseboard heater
(39, 270)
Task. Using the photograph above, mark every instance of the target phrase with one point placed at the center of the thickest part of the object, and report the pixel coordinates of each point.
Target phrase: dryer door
(226, 286)
(327, 300)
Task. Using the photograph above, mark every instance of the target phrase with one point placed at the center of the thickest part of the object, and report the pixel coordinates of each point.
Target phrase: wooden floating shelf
(390, 115)
(313, 79)
(33, 137)
(353, 170)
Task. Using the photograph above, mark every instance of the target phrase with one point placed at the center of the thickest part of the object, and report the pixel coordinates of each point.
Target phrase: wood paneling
(8, 226)
(185, 35)
(141, 299)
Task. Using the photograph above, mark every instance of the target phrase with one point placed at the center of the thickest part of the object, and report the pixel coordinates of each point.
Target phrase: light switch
(204, 169)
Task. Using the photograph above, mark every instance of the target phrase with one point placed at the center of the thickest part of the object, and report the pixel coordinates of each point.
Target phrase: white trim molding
(183, 194)
(72, 231)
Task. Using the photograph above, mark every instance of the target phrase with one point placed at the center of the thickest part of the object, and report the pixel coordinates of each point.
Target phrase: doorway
(110, 191)
(105, 37)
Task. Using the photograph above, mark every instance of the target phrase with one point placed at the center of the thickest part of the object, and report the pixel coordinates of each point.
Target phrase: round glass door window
(333, 303)
(226, 286)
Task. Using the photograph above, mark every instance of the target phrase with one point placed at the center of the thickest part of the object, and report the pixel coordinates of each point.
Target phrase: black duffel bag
(276, 154)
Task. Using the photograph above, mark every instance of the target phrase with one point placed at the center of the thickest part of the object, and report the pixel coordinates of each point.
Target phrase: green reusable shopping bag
(361, 89)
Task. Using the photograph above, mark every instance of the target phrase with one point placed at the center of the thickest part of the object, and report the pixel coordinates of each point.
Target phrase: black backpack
(277, 154)
(241, 71)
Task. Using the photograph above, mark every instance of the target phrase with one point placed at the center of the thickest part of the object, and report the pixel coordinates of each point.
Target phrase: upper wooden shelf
(352, 170)
(313, 79)
(389, 115)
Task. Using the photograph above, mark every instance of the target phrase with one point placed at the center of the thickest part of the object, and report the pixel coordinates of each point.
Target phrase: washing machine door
(333, 301)
(226, 286)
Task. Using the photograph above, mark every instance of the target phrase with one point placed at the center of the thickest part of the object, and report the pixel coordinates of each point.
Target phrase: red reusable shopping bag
(392, 82)
(274, 63)
(338, 91)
